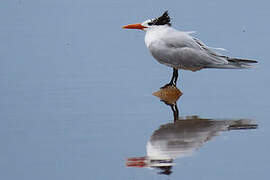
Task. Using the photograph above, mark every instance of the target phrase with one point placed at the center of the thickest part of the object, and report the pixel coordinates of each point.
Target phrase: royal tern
(179, 50)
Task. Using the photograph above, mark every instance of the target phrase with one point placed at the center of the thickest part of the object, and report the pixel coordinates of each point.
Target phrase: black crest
(162, 20)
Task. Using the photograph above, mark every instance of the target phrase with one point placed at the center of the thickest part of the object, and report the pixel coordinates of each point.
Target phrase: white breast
(155, 34)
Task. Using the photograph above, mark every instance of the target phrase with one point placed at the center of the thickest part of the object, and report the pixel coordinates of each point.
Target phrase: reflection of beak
(146, 162)
(136, 162)
(134, 26)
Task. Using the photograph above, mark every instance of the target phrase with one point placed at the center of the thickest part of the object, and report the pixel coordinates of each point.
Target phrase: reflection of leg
(175, 111)
(175, 76)
(173, 79)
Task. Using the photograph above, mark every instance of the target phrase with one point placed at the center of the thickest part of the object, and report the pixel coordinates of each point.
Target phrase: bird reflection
(182, 137)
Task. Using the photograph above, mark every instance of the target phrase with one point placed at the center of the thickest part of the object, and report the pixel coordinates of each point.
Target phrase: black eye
(150, 23)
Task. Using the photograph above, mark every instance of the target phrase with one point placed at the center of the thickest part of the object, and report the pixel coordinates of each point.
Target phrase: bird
(180, 50)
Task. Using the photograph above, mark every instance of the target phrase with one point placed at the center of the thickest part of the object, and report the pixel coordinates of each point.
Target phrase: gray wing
(183, 51)
(207, 49)
(231, 62)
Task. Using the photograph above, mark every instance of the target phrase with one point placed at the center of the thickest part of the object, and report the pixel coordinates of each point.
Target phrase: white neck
(155, 34)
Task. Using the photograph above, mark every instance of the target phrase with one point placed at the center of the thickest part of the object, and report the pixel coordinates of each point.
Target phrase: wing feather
(183, 52)
(178, 49)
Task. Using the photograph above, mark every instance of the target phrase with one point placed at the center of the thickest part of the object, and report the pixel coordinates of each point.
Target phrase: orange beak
(134, 26)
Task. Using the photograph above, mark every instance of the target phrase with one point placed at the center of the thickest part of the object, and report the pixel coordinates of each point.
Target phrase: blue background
(76, 89)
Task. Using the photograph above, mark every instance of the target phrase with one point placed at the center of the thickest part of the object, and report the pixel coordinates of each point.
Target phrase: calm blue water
(76, 89)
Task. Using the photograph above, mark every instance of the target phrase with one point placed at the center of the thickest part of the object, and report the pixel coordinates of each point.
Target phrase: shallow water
(76, 93)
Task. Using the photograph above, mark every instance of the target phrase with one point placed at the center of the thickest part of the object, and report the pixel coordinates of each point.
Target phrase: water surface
(76, 90)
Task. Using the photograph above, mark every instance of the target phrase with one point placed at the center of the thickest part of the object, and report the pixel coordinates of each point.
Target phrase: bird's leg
(173, 80)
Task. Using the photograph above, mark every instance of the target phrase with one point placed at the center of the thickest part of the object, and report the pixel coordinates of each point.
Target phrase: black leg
(173, 80)
(175, 111)
(175, 75)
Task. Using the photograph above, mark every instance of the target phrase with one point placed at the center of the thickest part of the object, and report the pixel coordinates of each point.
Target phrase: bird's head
(163, 20)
